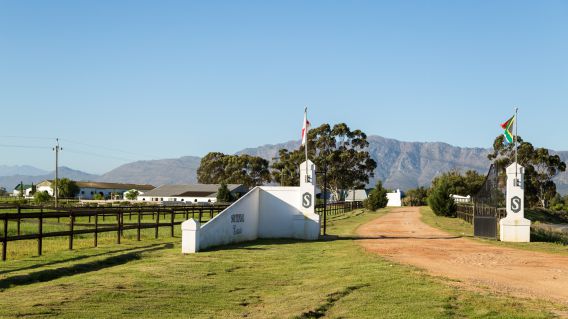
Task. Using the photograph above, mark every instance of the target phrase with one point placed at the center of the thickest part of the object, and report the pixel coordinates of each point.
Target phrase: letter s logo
(516, 204)
(307, 200)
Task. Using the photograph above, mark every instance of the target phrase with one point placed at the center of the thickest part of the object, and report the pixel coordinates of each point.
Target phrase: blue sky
(138, 79)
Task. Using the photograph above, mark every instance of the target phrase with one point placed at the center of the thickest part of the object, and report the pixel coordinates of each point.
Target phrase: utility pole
(57, 148)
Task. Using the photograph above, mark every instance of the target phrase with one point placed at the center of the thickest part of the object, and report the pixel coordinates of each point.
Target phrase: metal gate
(486, 203)
(485, 221)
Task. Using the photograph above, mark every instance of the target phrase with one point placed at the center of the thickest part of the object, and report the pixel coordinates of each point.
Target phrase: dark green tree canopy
(339, 150)
(217, 168)
(377, 197)
(540, 168)
(131, 194)
(224, 194)
(417, 196)
(67, 188)
(461, 184)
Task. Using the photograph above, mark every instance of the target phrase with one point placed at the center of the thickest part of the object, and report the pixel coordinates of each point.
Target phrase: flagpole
(306, 137)
(516, 141)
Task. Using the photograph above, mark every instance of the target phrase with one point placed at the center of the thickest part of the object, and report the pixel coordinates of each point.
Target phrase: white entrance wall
(394, 199)
(515, 227)
(264, 212)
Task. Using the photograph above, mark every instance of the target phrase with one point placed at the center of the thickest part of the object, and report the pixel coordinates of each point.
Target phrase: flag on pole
(508, 127)
(305, 128)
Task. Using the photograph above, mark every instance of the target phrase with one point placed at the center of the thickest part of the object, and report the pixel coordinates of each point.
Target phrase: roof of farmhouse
(195, 190)
(104, 185)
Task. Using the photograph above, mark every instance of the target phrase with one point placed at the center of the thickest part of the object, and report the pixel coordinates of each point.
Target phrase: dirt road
(401, 236)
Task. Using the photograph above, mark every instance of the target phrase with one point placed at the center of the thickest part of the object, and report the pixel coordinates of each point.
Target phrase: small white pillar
(190, 236)
(515, 227)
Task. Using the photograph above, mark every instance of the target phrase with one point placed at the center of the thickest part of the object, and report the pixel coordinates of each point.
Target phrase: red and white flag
(305, 128)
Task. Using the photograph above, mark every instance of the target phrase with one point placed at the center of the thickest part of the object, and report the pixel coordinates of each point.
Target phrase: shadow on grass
(76, 258)
(253, 245)
(52, 274)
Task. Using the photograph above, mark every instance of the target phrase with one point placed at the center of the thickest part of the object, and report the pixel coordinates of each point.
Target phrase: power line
(24, 146)
(99, 155)
(103, 147)
(28, 137)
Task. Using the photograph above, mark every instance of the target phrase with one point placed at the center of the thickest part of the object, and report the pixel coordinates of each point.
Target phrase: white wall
(235, 224)
(264, 212)
(395, 199)
(278, 211)
(47, 189)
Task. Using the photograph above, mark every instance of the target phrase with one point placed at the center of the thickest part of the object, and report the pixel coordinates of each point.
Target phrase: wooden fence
(94, 221)
(338, 208)
(467, 212)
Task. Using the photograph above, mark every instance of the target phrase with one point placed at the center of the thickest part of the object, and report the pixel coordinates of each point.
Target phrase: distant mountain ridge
(10, 182)
(7, 170)
(402, 165)
(181, 170)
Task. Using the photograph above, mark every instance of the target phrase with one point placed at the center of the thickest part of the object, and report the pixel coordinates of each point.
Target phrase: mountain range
(402, 165)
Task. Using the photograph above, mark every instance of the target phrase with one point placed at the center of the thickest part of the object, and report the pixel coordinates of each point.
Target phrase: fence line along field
(33, 230)
(54, 229)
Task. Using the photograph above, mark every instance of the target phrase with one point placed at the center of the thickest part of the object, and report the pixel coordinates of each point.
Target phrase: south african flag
(508, 127)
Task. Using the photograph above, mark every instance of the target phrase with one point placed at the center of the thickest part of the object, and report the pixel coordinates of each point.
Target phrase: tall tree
(540, 168)
(67, 188)
(217, 168)
(458, 184)
(286, 170)
(339, 150)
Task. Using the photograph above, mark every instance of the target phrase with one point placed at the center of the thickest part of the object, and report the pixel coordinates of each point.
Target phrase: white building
(395, 199)
(196, 193)
(360, 195)
(88, 190)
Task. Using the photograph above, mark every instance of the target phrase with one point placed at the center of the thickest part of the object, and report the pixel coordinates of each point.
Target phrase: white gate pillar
(515, 227)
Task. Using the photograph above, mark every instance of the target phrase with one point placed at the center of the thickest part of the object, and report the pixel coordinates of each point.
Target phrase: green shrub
(440, 201)
(42, 197)
(377, 198)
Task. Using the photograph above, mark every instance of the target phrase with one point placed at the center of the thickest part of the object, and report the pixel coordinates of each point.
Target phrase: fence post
(139, 224)
(19, 218)
(172, 221)
(210, 212)
(5, 238)
(96, 227)
(200, 214)
(40, 231)
(71, 226)
(118, 228)
(157, 223)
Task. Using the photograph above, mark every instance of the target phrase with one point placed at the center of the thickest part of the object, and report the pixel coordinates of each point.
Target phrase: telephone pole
(57, 148)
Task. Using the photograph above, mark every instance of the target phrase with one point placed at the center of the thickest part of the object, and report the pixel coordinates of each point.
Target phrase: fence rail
(94, 221)
(338, 208)
(467, 212)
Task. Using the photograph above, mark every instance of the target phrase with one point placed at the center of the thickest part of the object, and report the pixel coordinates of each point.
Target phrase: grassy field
(262, 279)
(459, 227)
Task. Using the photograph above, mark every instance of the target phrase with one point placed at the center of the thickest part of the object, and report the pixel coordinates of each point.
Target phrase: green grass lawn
(335, 278)
(459, 227)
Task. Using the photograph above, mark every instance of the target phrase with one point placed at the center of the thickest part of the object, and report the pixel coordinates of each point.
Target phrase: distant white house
(18, 190)
(356, 196)
(196, 193)
(394, 199)
(461, 199)
(88, 190)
